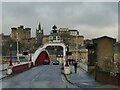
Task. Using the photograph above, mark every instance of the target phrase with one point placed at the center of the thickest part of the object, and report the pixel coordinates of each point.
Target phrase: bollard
(67, 70)
(30, 64)
(9, 70)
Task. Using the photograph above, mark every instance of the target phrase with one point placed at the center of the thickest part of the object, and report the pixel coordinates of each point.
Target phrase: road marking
(33, 80)
(63, 79)
(37, 76)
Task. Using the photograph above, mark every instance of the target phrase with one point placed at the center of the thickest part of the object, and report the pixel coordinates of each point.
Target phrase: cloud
(92, 17)
(94, 32)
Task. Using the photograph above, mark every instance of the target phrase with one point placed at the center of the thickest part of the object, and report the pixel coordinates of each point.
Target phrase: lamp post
(67, 68)
(18, 60)
(67, 51)
(10, 64)
(76, 47)
(30, 58)
(30, 55)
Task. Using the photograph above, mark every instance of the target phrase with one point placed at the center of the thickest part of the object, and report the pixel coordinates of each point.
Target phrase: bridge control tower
(55, 45)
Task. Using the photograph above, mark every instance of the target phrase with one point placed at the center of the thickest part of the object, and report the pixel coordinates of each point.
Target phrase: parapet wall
(21, 67)
(107, 77)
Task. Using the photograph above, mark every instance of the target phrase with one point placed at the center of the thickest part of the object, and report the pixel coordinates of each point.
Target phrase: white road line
(63, 79)
(33, 80)
(37, 76)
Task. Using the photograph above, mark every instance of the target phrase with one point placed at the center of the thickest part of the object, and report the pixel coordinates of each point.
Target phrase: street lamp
(18, 60)
(67, 68)
(76, 46)
(10, 64)
(67, 51)
(30, 55)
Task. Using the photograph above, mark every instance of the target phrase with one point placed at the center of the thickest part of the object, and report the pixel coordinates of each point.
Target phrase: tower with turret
(23, 33)
(39, 35)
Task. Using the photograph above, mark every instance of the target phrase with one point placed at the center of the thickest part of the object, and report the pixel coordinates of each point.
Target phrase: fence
(84, 66)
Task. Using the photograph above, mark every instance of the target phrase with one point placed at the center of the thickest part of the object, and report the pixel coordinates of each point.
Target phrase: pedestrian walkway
(84, 80)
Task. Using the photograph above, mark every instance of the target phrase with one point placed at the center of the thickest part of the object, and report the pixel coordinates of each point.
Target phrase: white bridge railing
(84, 66)
(36, 54)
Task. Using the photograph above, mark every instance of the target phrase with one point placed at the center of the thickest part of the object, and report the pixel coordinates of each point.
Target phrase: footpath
(83, 80)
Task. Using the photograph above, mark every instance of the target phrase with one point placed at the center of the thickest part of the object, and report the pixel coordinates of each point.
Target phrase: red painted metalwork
(20, 68)
(66, 64)
(43, 56)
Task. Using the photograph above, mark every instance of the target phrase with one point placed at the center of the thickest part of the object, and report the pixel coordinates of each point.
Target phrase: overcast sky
(92, 19)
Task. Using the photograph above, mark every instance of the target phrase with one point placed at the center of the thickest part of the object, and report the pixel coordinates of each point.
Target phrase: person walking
(75, 66)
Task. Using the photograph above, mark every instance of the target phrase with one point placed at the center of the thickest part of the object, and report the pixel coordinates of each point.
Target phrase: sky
(92, 19)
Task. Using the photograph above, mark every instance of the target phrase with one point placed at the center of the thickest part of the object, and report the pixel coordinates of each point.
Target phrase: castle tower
(39, 35)
(23, 33)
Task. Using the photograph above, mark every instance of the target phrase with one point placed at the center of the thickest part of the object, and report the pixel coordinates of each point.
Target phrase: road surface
(49, 76)
(44, 76)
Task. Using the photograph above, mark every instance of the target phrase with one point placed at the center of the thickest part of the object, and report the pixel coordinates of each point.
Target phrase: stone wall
(104, 51)
(107, 77)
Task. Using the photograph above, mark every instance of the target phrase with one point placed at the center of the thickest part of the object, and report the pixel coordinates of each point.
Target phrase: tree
(66, 37)
(6, 46)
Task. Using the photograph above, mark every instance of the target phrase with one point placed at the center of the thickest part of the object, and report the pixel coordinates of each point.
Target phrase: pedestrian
(75, 66)
(69, 61)
(72, 61)
(62, 68)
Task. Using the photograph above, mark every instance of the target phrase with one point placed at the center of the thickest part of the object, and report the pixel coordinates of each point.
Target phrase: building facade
(74, 32)
(117, 52)
(104, 51)
(84, 54)
(117, 57)
(20, 32)
(55, 36)
(68, 37)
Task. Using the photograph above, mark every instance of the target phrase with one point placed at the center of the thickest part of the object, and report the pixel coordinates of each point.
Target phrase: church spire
(39, 34)
(39, 26)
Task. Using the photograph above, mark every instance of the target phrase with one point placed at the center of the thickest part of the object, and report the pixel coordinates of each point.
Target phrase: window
(51, 38)
(54, 37)
(58, 38)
